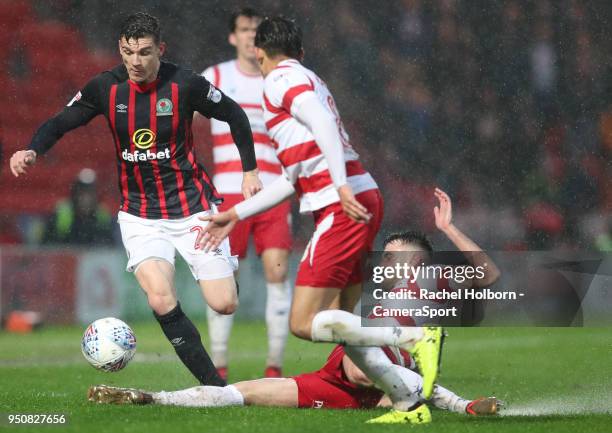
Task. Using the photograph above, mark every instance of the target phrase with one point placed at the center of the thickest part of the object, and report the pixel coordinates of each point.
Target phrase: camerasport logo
(143, 139)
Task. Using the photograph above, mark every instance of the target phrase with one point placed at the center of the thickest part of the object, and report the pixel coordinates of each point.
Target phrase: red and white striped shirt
(247, 91)
(306, 167)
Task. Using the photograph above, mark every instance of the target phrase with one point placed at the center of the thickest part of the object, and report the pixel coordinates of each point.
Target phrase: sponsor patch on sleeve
(214, 95)
(76, 98)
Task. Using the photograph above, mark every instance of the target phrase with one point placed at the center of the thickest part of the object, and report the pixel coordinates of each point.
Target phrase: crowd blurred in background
(507, 105)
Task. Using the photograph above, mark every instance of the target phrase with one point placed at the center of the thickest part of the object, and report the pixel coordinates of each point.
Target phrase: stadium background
(506, 105)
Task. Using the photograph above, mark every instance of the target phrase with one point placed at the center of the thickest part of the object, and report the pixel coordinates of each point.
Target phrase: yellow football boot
(420, 415)
(426, 353)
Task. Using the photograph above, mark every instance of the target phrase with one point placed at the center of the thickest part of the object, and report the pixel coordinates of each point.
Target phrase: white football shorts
(160, 238)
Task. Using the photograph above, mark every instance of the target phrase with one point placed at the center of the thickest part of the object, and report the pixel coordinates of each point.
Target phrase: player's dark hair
(140, 25)
(410, 237)
(279, 36)
(244, 12)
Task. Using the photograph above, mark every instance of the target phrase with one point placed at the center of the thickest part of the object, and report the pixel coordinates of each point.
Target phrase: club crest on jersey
(164, 107)
(214, 95)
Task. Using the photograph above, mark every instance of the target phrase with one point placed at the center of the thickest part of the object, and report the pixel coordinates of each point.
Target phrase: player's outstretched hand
(355, 210)
(251, 184)
(21, 160)
(444, 212)
(218, 227)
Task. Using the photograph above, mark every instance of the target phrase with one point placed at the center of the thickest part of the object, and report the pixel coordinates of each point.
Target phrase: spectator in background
(514, 94)
(603, 241)
(8, 227)
(9, 233)
(414, 30)
(81, 220)
(544, 71)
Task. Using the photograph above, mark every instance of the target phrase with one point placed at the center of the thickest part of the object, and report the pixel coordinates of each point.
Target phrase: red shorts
(335, 253)
(315, 392)
(271, 229)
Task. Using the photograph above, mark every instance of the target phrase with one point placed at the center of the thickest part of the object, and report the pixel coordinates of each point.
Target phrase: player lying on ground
(339, 384)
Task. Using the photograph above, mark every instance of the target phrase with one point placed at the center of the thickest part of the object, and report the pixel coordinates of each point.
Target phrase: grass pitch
(553, 380)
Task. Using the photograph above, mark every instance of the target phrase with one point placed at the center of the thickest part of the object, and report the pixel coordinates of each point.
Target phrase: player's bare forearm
(251, 184)
(475, 255)
(443, 214)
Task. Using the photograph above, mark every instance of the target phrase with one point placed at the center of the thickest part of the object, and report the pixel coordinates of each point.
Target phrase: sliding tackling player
(339, 384)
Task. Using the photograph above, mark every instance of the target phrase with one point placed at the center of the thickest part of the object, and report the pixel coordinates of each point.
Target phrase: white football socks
(201, 396)
(219, 329)
(338, 326)
(445, 399)
(403, 386)
(400, 384)
(278, 305)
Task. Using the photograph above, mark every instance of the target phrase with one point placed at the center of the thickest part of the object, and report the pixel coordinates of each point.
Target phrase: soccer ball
(108, 344)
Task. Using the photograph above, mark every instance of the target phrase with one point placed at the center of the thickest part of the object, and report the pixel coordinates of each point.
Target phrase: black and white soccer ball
(108, 344)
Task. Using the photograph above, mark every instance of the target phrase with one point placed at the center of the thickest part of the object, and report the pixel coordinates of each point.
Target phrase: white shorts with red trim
(145, 239)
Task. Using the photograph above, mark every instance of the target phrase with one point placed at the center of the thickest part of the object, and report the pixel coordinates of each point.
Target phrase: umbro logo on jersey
(121, 108)
(177, 341)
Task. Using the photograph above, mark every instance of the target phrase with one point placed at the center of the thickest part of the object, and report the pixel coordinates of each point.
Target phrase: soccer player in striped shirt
(149, 105)
(322, 168)
(241, 79)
